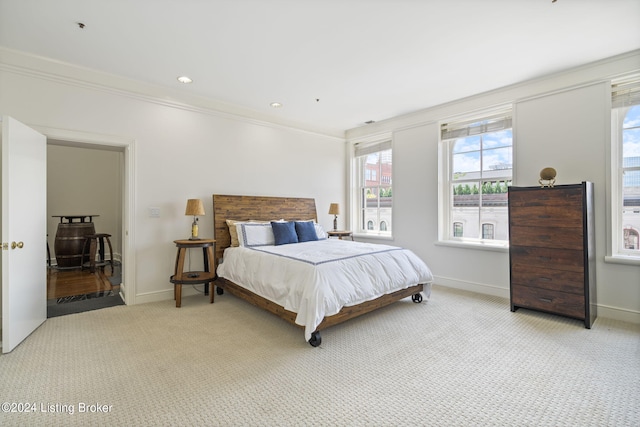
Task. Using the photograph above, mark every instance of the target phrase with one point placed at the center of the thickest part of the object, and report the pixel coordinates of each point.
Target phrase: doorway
(88, 172)
(83, 180)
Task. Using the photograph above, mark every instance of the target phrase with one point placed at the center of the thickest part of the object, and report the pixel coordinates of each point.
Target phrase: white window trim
(445, 238)
(478, 244)
(354, 193)
(614, 198)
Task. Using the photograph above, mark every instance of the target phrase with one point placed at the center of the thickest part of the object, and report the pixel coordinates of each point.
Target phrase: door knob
(19, 245)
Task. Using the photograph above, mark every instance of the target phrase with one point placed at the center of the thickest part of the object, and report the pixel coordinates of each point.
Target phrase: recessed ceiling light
(276, 104)
(184, 79)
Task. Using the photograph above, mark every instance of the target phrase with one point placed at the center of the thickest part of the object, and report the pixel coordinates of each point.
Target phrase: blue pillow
(306, 231)
(284, 232)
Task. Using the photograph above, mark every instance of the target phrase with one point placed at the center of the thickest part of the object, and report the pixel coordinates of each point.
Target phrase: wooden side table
(182, 277)
(340, 234)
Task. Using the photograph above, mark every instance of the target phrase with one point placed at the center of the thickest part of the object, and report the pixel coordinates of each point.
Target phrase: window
(457, 229)
(487, 231)
(476, 158)
(374, 178)
(625, 159)
(630, 238)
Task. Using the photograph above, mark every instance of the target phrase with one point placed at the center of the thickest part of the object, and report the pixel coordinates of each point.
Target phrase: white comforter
(316, 279)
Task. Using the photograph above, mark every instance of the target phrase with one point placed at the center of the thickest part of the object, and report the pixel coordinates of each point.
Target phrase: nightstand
(182, 277)
(340, 234)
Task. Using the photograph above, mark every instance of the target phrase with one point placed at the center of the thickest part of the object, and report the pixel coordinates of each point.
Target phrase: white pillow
(320, 231)
(252, 234)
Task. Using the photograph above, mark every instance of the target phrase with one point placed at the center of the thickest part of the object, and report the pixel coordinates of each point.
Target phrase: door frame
(126, 146)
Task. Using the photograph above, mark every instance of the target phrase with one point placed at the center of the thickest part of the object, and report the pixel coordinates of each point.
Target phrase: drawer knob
(546, 299)
(545, 279)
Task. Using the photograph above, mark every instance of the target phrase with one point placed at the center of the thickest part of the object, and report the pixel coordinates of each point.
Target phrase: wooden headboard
(258, 208)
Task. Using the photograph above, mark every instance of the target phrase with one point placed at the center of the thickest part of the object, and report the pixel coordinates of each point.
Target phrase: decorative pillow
(284, 232)
(320, 231)
(306, 231)
(233, 231)
(254, 234)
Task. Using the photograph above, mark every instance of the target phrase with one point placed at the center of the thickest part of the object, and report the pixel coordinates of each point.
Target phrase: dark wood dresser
(552, 250)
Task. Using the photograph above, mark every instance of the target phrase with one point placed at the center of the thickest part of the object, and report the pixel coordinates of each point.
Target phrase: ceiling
(332, 64)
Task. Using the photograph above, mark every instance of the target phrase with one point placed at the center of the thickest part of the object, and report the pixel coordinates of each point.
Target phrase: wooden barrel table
(70, 239)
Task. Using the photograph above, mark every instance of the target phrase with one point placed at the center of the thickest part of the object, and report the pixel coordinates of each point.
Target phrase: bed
(313, 284)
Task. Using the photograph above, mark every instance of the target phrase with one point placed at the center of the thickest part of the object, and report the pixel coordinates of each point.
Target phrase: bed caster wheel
(315, 339)
(219, 290)
(417, 298)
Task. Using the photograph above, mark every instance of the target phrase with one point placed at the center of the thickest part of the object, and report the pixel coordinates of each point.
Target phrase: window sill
(372, 236)
(622, 259)
(495, 247)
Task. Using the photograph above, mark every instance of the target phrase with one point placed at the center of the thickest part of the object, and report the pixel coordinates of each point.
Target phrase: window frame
(446, 235)
(359, 226)
(625, 96)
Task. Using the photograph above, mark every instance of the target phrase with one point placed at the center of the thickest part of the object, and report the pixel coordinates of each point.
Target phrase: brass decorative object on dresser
(552, 250)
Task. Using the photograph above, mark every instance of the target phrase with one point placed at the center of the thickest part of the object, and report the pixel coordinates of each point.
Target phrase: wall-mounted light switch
(154, 212)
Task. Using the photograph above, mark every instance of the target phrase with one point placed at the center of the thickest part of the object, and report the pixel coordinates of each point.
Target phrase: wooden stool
(93, 241)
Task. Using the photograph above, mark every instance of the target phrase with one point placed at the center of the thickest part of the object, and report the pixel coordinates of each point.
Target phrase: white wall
(560, 121)
(181, 152)
(187, 152)
(85, 181)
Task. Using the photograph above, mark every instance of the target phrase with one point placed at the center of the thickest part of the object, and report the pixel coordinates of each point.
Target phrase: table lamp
(334, 209)
(195, 208)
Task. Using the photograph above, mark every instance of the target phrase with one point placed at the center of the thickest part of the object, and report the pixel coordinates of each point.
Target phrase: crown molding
(21, 63)
(614, 67)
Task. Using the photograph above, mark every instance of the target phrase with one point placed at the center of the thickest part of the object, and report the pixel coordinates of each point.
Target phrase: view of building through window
(481, 171)
(631, 179)
(377, 194)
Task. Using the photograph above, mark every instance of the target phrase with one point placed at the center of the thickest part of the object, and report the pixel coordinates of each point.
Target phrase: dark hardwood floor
(65, 283)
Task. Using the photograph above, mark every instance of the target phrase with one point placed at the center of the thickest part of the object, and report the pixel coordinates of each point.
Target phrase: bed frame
(261, 208)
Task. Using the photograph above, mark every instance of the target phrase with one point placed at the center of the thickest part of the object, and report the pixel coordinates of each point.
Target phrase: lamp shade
(334, 209)
(194, 207)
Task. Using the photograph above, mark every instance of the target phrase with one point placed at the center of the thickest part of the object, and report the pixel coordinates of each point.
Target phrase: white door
(24, 210)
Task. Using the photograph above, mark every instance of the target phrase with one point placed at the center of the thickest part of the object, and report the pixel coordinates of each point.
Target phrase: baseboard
(167, 294)
(481, 288)
(604, 311)
(617, 313)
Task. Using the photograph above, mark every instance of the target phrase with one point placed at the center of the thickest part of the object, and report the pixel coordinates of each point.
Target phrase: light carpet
(459, 359)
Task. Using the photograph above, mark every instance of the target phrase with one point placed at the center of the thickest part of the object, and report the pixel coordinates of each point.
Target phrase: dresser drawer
(547, 237)
(547, 278)
(538, 196)
(571, 305)
(535, 213)
(558, 259)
